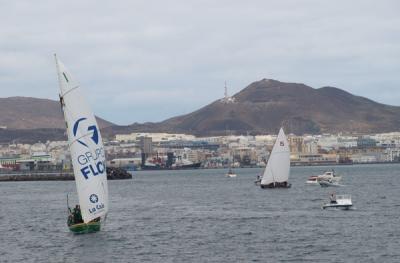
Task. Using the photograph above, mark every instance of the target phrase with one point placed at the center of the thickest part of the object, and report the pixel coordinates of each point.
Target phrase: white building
(156, 137)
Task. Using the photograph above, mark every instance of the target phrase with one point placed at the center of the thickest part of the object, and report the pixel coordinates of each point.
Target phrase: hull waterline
(84, 228)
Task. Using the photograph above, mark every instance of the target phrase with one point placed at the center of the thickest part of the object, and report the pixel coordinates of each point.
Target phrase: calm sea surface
(202, 216)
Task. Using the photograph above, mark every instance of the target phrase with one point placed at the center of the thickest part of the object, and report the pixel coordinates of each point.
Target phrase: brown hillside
(265, 105)
(33, 113)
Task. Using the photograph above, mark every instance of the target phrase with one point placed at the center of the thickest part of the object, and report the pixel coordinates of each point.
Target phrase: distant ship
(153, 166)
(171, 163)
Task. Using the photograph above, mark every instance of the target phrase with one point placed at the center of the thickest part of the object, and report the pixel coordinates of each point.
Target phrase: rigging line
(273, 177)
(85, 135)
(69, 210)
(68, 91)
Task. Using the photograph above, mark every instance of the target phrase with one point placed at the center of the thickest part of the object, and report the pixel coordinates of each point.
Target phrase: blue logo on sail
(93, 128)
(92, 160)
(93, 198)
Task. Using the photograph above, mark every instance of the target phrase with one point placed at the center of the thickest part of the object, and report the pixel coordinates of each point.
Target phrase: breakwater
(112, 174)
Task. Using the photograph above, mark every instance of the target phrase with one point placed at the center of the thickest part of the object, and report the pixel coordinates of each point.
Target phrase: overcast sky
(149, 60)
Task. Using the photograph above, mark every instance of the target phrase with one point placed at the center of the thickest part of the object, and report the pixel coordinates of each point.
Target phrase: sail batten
(86, 147)
(278, 165)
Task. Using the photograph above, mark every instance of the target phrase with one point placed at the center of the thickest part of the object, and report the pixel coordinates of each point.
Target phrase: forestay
(86, 147)
(278, 165)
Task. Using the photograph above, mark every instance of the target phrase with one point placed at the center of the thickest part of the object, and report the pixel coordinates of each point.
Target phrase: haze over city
(149, 60)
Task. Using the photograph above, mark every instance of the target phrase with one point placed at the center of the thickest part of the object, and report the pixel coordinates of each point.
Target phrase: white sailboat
(231, 173)
(87, 153)
(276, 173)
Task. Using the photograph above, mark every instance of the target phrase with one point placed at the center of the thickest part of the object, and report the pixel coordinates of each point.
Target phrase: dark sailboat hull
(284, 185)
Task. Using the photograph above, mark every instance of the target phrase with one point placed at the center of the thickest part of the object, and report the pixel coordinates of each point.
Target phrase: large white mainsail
(278, 165)
(86, 146)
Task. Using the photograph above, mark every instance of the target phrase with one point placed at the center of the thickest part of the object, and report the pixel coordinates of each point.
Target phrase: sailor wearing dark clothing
(333, 198)
(77, 215)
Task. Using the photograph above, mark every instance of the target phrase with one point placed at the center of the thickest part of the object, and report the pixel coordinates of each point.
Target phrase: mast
(226, 91)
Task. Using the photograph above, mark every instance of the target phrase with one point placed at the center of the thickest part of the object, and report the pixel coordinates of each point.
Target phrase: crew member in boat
(333, 198)
(77, 215)
(258, 179)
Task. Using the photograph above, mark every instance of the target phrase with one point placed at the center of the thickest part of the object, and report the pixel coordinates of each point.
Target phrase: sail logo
(93, 198)
(92, 161)
(282, 144)
(91, 128)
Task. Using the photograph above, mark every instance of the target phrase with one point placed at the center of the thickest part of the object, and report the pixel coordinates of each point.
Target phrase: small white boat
(312, 180)
(328, 183)
(231, 173)
(339, 202)
(326, 176)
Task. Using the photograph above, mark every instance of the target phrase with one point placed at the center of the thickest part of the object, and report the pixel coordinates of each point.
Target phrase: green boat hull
(84, 228)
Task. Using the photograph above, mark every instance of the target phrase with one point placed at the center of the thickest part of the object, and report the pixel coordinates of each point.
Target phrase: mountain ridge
(21, 113)
(265, 105)
(260, 108)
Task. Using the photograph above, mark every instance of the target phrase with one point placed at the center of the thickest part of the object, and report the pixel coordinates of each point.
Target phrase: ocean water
(202, 216)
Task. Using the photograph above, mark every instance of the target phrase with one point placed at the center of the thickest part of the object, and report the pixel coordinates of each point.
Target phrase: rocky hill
(265, 105)
(26, 119)
(32, 113)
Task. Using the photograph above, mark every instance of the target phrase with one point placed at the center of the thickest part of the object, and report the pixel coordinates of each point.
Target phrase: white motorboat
(328, 183)
(339, 202)
(312, 180)
(326, 176)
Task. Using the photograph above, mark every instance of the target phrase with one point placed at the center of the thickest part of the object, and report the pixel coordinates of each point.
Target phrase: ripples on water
(202, 216)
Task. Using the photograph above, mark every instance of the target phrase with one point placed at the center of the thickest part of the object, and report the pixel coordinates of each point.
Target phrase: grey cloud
(149, 60)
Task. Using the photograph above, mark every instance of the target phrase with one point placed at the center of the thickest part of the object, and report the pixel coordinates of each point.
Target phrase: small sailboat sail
(276, 173)
(87, 151)
(230, 173)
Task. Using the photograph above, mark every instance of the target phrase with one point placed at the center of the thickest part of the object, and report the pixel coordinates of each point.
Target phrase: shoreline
(262, 167)
(121, 174)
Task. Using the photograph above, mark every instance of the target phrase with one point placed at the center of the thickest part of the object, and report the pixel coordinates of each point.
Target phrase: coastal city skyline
(136, 67)
(142, 150)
